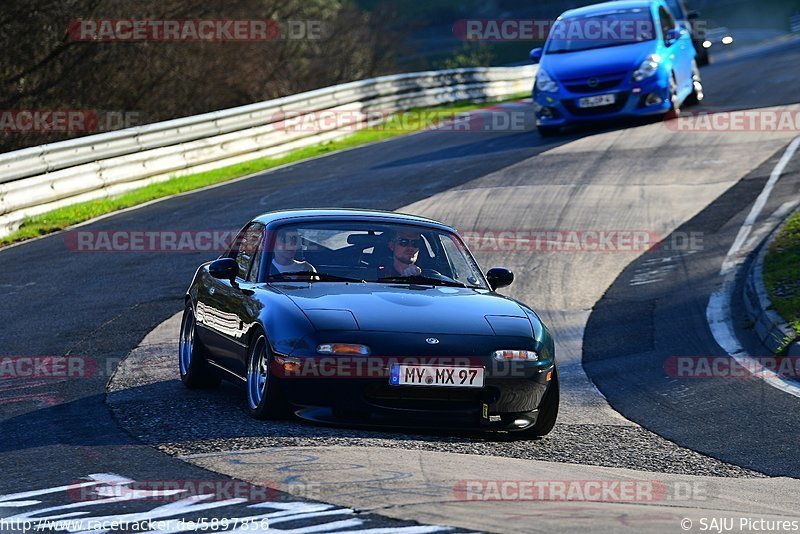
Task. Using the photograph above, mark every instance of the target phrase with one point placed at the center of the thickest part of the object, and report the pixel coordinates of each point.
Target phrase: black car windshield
(359, 252)
(601, 30)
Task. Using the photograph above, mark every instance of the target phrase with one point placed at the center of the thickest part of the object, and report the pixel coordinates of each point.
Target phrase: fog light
(653, 99)
(521, 422)
(507, 355)
(546, 113)
(707, 44)
(727, 40)
(348, 349)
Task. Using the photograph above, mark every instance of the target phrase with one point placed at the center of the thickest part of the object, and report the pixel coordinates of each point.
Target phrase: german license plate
(437, 376)
(597, 101)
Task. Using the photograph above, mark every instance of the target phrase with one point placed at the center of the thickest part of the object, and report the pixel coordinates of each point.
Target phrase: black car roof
(348, 214)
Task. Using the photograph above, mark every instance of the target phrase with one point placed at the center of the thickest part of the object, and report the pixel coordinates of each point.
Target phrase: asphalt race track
(617, 316)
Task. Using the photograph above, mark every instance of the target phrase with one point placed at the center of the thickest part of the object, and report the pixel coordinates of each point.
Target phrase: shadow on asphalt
(167, 412)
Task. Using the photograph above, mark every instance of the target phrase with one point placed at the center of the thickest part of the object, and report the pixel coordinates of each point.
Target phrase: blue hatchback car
(616, 59)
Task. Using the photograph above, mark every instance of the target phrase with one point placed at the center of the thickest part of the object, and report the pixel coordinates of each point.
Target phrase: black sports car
(691, 20)
(367, 318)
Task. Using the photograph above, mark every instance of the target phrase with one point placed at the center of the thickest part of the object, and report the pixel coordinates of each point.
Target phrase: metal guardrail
(38, 179)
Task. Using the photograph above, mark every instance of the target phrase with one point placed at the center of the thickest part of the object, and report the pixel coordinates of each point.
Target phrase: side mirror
(499, 277)
(224, 269)
(536, 55)
(673, 35)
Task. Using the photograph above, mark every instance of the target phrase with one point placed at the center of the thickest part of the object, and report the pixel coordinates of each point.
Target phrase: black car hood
(413, 309)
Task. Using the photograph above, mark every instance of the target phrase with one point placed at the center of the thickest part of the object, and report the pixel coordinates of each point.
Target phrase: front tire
(548, 131)
(697, 87)
(548, 411)
(265, 399)
(195, 371)
(674, 109)
(703, 58)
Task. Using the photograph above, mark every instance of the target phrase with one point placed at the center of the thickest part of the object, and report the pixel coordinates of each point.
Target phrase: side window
(247, 245)
(458, 264)
(256, 263)
(667, 22)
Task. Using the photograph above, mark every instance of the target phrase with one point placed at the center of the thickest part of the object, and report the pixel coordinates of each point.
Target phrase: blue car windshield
(601, 30)
(676, 9)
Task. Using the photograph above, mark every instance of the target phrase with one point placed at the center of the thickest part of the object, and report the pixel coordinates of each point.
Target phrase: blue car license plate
(597, 101)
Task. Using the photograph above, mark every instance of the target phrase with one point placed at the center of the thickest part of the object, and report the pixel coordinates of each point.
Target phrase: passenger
(283, 258)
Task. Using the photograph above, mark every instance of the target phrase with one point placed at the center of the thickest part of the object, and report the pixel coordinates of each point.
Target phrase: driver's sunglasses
(403, 242)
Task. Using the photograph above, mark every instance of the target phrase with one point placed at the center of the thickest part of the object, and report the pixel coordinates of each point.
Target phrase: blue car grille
(572, 106)
(592, 84)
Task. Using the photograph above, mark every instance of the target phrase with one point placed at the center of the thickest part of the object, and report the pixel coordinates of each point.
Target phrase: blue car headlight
(648, 68)
(545, 83)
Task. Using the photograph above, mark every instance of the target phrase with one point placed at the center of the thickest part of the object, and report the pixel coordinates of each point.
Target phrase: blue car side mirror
(673, 35)
(536, 55)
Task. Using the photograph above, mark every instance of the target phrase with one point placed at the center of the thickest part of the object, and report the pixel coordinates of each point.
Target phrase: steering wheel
(433, 273)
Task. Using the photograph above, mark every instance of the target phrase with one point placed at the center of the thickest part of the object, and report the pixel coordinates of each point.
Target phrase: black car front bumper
(507, 403)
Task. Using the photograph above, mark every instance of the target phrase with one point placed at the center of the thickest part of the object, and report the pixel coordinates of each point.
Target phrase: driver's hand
(411, 270)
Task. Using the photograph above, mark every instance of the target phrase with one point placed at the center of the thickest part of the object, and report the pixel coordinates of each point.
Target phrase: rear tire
(193, 366)
(548, 411)
(265, 399)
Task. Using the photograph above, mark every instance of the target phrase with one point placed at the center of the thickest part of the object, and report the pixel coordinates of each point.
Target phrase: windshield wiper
(312, 276)
(420, 279)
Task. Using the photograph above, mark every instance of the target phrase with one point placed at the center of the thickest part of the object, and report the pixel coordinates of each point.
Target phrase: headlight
(348, 349)
(648, 68)
(517, 355)
(545, 83)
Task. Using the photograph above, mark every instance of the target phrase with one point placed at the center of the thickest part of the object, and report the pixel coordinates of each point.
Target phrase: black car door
(229, 310)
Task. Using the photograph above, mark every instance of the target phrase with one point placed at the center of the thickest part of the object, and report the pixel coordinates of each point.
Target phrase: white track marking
(10, 501)
(157, 519)
(718, 312)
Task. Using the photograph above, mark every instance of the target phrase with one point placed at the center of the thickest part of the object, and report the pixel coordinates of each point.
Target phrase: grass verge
(782, 272)
(58, 219)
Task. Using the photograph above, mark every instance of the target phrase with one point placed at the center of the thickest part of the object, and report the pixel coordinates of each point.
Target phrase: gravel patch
(183, 422)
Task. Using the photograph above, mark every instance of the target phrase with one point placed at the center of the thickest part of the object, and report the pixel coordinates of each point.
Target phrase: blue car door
(681, 51)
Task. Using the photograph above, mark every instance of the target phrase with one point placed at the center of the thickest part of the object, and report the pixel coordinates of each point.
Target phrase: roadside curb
(772, 330)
